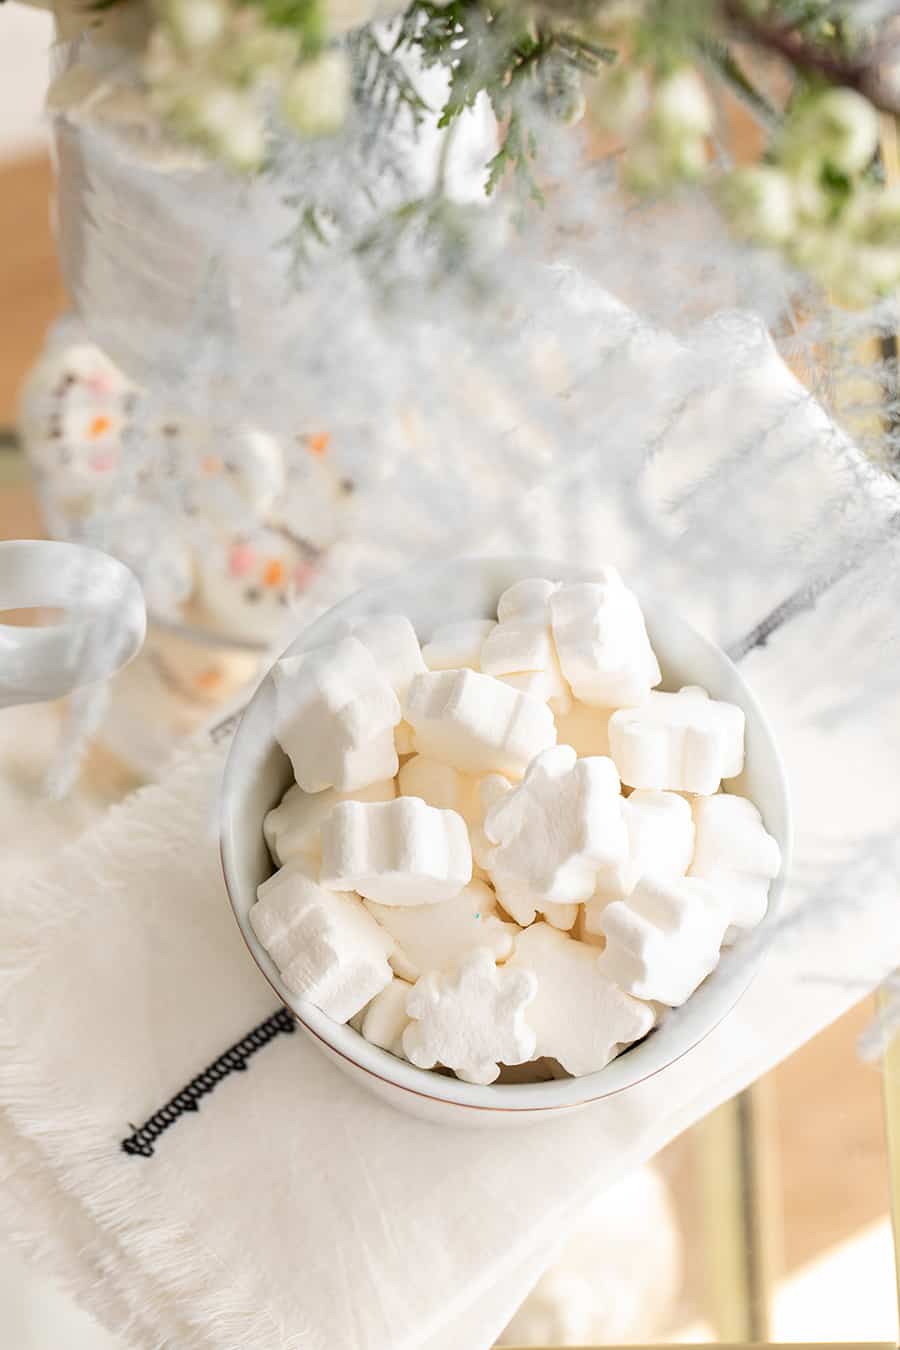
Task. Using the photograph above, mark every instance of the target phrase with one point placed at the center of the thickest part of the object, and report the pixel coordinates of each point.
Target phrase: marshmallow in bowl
(294, 826)
(557, 833)
(664, 939)
(580, 1016)
(391, 641)
(686, 742)
(471, 1019)
(403, 852)
(522, 652)
(527, 599)
(335, 717)
(385, 1019)
(327, 947)
(602, 642)
(433, 937)
(546, 867)
(660, 839)
(735, 851)
(477, 723)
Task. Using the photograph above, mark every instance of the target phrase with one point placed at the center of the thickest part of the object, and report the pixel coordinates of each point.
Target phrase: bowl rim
(737, 967)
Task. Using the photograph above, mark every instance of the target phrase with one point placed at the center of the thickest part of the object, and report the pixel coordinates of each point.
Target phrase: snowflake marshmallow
(579, 1015)
(602, 642)
(471, 1019)
(556, 834)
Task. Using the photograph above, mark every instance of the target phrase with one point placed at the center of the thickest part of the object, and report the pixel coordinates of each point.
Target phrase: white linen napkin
(291, 1209)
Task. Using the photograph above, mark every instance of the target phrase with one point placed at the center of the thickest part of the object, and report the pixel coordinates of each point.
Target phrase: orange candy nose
(99, 426)
(273, 574)
(211, 464)
(318, 444)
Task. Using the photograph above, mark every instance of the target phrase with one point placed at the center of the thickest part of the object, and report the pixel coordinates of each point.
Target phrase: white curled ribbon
(101, 628)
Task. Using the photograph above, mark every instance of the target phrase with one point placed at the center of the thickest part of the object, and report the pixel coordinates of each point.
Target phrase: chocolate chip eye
(230, 467)
(252, 594)
(282, 598)
(347, 486)
(170, 429)
(65, 456)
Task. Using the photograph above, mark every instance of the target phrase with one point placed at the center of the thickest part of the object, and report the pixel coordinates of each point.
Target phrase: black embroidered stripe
(141, 1142)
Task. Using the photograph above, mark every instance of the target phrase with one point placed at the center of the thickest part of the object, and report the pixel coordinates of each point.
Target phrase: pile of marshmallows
(506, 848)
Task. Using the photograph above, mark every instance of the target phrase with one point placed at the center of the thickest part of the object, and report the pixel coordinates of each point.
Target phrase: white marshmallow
(440, 785)
(471, 1019)
(435, 937)
(522, 652)
(393, 645)
(454, 646)
(664, 939)
(335, 717)
(526, 599)
(385, 1019)
(685, 741)
(584, 728)
(556, 835)
(518, 645)
(579, 1016)
(660, 843)
(735, 852)
(477, 723)
(293, 826)
(403, 852)
(602, 642)
(329, 950)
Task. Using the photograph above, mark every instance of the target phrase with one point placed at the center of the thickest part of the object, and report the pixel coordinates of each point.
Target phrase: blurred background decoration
(341, 277)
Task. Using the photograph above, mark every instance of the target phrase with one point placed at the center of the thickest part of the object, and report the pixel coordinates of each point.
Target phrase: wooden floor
(832, 1150)
(30, 290)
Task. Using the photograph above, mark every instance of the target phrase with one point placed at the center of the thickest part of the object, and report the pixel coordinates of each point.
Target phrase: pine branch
(721, 58)
(382, 84)
(861, 72)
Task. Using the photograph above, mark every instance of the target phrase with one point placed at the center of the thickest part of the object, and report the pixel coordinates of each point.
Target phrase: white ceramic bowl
(258, 772)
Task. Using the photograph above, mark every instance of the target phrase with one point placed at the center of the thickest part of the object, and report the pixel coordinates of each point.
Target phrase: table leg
(890, 1068)
(741, 1219)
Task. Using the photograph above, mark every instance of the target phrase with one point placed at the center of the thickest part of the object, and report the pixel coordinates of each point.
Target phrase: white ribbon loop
(102, 627)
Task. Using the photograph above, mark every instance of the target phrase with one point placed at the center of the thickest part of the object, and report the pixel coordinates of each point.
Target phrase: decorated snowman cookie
(248, 583)
(231, 477)
(73, 413)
